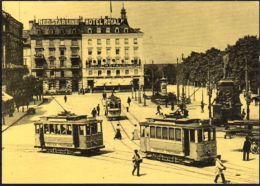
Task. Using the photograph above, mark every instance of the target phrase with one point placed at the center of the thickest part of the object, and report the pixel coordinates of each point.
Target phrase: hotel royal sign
(89, 22)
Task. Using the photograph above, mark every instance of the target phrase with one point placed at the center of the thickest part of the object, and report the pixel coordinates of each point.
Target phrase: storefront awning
(112, 82)
(6, 97)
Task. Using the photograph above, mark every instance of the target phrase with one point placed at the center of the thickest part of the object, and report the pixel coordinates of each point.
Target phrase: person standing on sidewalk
(246, 149)
(137, 161)
(219, 170)
(129, 101)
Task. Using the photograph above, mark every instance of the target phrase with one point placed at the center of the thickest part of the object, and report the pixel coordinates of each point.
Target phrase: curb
(25, 114)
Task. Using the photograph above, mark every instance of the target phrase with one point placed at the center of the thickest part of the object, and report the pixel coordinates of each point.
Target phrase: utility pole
(247, 93)
(209, 91)
(177, 81)
(152, 78)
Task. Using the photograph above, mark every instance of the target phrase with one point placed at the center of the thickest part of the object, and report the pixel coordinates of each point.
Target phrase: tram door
(186, 142)
(75, 129)
(144, 134)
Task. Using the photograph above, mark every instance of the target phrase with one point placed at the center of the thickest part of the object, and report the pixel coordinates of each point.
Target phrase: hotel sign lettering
(58, 21)
(106, 21)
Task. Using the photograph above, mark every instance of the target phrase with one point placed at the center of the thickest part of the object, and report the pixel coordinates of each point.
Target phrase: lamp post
(247, 93)
(132, 89)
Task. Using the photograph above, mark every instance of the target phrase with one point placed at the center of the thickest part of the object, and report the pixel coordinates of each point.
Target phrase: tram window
(81, 130)
(69, 131)
(142, 131)
(206, 135)
(192, 135)
(51, 129)
(178, 134)
(88, 130)
(63, 129)
(213, 134)
(46, 129)
(158, 132)
(171, 134)
(57, 129)
(99, 130)
(200, 135)
(94, 128)
(37, 129)
(152, 131)
(165, 133)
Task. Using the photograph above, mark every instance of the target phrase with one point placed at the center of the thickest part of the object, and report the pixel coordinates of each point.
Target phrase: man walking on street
(202, 106)
(98, 109)
(129, 101)
(94, 112)
(219, 169)
(137, 161)
(65, 98)
(246, 149)
(158, 110)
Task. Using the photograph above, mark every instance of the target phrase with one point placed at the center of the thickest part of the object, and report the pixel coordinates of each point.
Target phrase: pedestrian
(246, 149)
(129, 101)
(219, 169)
(94, 112)
(118, 132)
(127, 108)
(172, 106)
(65, 98)
(158, 110)
(137, 161)
(135, 133)
(202, 106)
(243, 114)
(98, 109)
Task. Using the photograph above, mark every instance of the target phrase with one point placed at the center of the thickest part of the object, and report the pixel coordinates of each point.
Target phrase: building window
(135, 50)
(108, 51)
(62, 52)
(52, 52)
(74, 31)
(118, 72)
(89, 41)
(117, 30)
(52, 63)
(90, 51)
(135, 71)
(126, 30)
(107, 30)
(98, 30)
(62, 63)
(117, 51)
(74, 42)
(99, 51)
(62, 73)
(98, 41)
(52, 73)
(108, 41)
(126, 41)
(38, 42)
(135, 41)
(126, 51)
(117, 41)
(90, 72)
(99, 72)
(126, 72)
(89, 30)
(108, 73)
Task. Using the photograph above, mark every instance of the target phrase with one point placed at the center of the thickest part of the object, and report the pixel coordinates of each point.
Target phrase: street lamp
(247, 96)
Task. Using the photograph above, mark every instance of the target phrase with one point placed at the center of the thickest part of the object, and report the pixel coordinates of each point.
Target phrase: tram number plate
(59, 144)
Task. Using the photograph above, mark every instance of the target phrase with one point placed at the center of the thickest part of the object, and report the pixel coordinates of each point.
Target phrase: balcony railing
(39, 46)
(76, 55)
(38, 56)
(74, 45)
(62, 57)
(51, 57)
(112, 65)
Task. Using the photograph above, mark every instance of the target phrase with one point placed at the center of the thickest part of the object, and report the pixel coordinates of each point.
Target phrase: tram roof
(184, 122)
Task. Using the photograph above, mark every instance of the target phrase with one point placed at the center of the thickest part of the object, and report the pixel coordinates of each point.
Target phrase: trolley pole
(177, 81)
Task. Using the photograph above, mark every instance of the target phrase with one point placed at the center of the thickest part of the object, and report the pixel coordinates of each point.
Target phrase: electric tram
(113, 107)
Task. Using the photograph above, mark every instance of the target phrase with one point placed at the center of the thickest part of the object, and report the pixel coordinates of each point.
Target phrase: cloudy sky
(170, 28)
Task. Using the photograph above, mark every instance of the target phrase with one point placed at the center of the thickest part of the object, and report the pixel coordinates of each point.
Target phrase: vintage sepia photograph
(130, 92)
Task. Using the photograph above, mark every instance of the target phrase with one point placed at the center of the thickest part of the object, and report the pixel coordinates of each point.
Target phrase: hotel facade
(94, 54)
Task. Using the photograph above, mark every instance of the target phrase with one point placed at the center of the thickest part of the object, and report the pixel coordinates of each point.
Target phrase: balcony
(62, 46)
(75, 66)
(75, 56)
(62, 57)
(52, 66)
(74, 45)
(39, 46)
(52, 58)
(39, 56)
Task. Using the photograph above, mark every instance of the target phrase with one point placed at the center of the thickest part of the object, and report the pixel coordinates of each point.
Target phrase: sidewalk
(19, 115)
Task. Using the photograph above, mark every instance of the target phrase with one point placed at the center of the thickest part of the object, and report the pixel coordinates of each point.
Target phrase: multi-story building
(56, 53)
(86, 53)
(12, 50)
(27, 49)
(111, 54)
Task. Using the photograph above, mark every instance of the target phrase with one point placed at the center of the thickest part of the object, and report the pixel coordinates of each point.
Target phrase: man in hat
(137, 161)
(246, 149)
(219, 169)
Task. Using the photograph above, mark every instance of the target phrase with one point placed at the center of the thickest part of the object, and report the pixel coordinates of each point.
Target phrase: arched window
(126, 30)
(89, 30)
(74, 31)
(117, 30)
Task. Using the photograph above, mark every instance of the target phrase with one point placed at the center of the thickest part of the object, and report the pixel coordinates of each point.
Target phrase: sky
(170, 28)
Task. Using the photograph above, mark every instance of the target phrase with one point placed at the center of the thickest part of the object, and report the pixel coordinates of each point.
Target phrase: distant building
(112, 54)
(27, 49)
(82, 53)
(12, 50)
